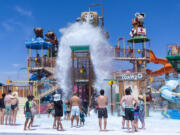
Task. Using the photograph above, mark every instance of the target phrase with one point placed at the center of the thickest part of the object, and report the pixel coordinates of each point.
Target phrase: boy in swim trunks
(27, 112)
(50, 108)
(122, 113)
(141, 111)
(136, 117)
(129, 108)
(102, 110)
(82, 119)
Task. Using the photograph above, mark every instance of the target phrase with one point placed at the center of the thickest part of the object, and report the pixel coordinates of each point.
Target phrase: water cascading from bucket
(78, 34)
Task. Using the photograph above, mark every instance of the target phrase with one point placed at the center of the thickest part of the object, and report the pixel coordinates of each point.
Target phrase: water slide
(170, 92)
(164, 70)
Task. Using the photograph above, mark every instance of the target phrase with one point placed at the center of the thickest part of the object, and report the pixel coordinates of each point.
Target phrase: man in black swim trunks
(102, 110)
(129, 107)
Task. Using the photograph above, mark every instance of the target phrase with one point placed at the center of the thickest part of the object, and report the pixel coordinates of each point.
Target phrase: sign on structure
(131, 77)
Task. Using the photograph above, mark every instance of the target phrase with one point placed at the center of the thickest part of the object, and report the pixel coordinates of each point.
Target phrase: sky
(19, 17)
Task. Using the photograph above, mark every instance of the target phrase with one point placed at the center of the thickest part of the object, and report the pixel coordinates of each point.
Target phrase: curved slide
(170, 92)
(164, 70)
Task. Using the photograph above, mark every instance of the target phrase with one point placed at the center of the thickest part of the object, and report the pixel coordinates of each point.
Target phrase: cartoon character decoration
(38, 32)
(51, 37)
(89, 17)
(138, 28)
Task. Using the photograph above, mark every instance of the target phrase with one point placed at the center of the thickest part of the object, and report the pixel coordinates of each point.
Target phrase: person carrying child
(82, 119)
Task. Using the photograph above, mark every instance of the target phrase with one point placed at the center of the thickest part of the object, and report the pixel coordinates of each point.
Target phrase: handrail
(131, 53)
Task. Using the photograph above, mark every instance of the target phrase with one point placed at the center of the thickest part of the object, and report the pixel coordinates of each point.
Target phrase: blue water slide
(34, 77)
(170, 92)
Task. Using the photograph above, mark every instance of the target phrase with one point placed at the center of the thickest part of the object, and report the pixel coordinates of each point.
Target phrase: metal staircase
(47, 92)
(49, 69)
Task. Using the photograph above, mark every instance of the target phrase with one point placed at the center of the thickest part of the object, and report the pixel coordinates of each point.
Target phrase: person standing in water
(7, 102)
(27, 112)
(141, 111)
(33, 109)
(75, 108)
(14, 107)
(2, 109)
(129, 108)
(58, 106)
(102, 110)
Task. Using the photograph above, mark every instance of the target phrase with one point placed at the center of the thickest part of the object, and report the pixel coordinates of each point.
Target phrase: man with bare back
(75, 108)
(102, 110)
(7, 102)
(129, 107)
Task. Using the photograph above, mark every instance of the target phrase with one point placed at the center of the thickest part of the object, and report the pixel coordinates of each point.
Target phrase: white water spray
(78, 34)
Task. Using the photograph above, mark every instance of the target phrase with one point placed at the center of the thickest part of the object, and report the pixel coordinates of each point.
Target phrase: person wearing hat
(14, 107)
(141, 110)
(58, 106)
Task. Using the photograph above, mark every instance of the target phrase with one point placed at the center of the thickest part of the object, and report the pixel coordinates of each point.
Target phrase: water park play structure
(137, 53)
(42, 57)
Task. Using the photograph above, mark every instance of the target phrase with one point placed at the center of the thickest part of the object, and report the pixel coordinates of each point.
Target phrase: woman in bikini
(14, 107)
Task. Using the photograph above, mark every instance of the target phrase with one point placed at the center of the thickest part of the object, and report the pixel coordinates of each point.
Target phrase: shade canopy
(37, 43)
(139, 39)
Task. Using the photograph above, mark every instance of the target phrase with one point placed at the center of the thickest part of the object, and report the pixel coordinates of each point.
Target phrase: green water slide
(175, 61)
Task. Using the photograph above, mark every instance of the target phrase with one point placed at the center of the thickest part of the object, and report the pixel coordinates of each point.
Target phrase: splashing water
(78, 34)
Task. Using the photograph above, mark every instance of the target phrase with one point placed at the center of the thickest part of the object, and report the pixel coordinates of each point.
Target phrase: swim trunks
(102, 112)
(50, 111)
(13, 106)
(75, 111)
(8, 109)
(58, 106)
(28, 115)
(129, 114)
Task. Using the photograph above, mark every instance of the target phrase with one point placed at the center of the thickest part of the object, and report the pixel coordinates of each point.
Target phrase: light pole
(111, 84)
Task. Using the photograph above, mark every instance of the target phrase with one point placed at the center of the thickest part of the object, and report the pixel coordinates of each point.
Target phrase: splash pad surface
(155, 125)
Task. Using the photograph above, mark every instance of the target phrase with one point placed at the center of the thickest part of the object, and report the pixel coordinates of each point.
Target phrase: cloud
(16, 65)
(23, 11)
(7, 26)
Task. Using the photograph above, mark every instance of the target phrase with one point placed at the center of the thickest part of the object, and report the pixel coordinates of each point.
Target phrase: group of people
(8, 108)
(132, 109)
(71, 108)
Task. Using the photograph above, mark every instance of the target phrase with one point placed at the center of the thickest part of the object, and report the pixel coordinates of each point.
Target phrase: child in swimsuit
(141, 111)
(27, 112)
(122, 113)
(136, 117)
(82, 119)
